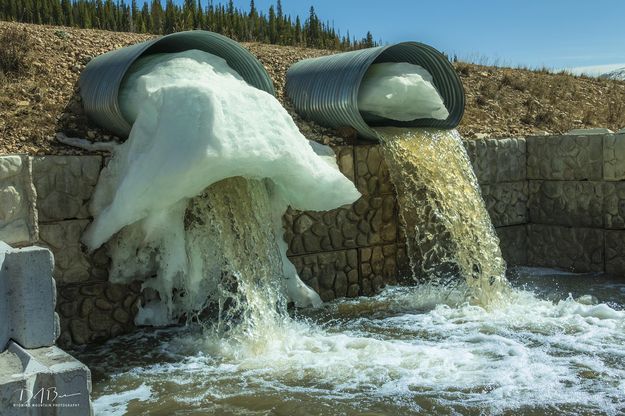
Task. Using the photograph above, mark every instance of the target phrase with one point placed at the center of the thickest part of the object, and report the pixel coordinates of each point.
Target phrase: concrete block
(332, 274)
(64, 185)
(372, 174)
(372, 220)
(615, 252)
(43, 381)
(498, 160)
(589, 132)
(18, 213)
(614, 204)
(573, 249)
(506, 202)
(71, 263)
(571, 203)
(379, 266)
(513, 244)
(614, 157)
(569, 158)
(29, 296)
(345, 160)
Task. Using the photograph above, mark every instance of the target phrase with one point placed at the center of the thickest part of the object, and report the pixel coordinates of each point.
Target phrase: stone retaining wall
(555, 201)
(577, 202)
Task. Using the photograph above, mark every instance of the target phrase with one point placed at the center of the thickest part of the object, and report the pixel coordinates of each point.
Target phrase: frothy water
(419, 350)
(449, 235)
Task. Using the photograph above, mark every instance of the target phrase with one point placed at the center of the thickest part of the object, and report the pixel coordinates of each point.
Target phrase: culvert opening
(326, 89)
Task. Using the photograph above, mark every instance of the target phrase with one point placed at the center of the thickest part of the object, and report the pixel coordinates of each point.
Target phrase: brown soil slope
(500, 102)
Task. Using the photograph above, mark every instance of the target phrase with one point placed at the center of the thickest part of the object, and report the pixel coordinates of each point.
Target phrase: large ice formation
(196, 122)
(400, 91)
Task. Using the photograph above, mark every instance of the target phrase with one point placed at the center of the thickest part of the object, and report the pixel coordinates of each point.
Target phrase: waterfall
(449, 235)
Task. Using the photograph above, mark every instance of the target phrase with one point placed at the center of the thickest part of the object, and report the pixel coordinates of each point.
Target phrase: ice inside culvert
(400, 91)
(196, 122)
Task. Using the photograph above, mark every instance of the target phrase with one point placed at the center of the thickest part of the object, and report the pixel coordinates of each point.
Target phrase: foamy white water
(407, 351)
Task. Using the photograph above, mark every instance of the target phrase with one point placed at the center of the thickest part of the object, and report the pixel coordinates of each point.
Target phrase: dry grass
(15, 53)
(518, 102)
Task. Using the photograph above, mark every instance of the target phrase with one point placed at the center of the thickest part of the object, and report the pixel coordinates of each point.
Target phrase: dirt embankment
(501, 102)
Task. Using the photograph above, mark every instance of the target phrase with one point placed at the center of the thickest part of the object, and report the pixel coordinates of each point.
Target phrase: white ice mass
(197, 122)
(400, 91)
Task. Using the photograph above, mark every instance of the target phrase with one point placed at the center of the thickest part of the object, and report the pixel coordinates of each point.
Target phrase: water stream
(449, 235)
(407, 351)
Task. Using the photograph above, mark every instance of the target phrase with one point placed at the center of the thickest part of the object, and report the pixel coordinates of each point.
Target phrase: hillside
(500, 102)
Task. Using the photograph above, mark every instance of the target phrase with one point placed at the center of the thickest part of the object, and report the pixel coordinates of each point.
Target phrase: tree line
(251, 25)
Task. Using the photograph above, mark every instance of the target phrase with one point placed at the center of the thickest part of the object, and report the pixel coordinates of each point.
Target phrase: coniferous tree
(274, 27)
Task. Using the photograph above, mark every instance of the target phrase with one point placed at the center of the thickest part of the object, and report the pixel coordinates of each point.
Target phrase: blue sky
(554, 33)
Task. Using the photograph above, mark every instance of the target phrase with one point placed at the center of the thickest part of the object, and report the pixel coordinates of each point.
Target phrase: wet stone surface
(371, 220)
(331, 274)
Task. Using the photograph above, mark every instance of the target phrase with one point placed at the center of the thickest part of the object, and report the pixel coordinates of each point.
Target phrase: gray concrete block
(513, 243)
(371, 171)
(64, 185)
(18, 213)
(571, 203)
(614, 157)
(498, 160)
(29, 296)
(573, 249)
(43, 381)
(614, 204)
(615, 252)
(569, 158)
(506, 202)
(63, 239)
(589, 132)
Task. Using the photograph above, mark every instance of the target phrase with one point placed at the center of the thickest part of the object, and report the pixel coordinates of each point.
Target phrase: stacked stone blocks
(353, 250)
(577, 202)
(500, 166)
(555, 201)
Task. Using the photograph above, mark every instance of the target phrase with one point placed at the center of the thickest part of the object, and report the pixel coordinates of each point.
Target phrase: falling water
(230, 238)
(448, 230)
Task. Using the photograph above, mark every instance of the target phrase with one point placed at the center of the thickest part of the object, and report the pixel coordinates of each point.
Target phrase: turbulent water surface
(406, 351)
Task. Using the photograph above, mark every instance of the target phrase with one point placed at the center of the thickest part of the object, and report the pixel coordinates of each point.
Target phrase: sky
(559, 34)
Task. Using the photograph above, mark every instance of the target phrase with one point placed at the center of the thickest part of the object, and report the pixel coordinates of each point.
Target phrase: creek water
(407, 351)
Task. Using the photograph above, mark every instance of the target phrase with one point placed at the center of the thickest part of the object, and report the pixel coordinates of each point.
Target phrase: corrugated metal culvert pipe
(100, 81)
(325, 89)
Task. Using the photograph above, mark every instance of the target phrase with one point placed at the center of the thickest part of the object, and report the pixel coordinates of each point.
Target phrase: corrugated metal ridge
(325, 89)
(101, 79)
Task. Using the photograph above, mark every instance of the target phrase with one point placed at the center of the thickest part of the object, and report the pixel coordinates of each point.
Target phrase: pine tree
(169, 25)
(274, 27)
